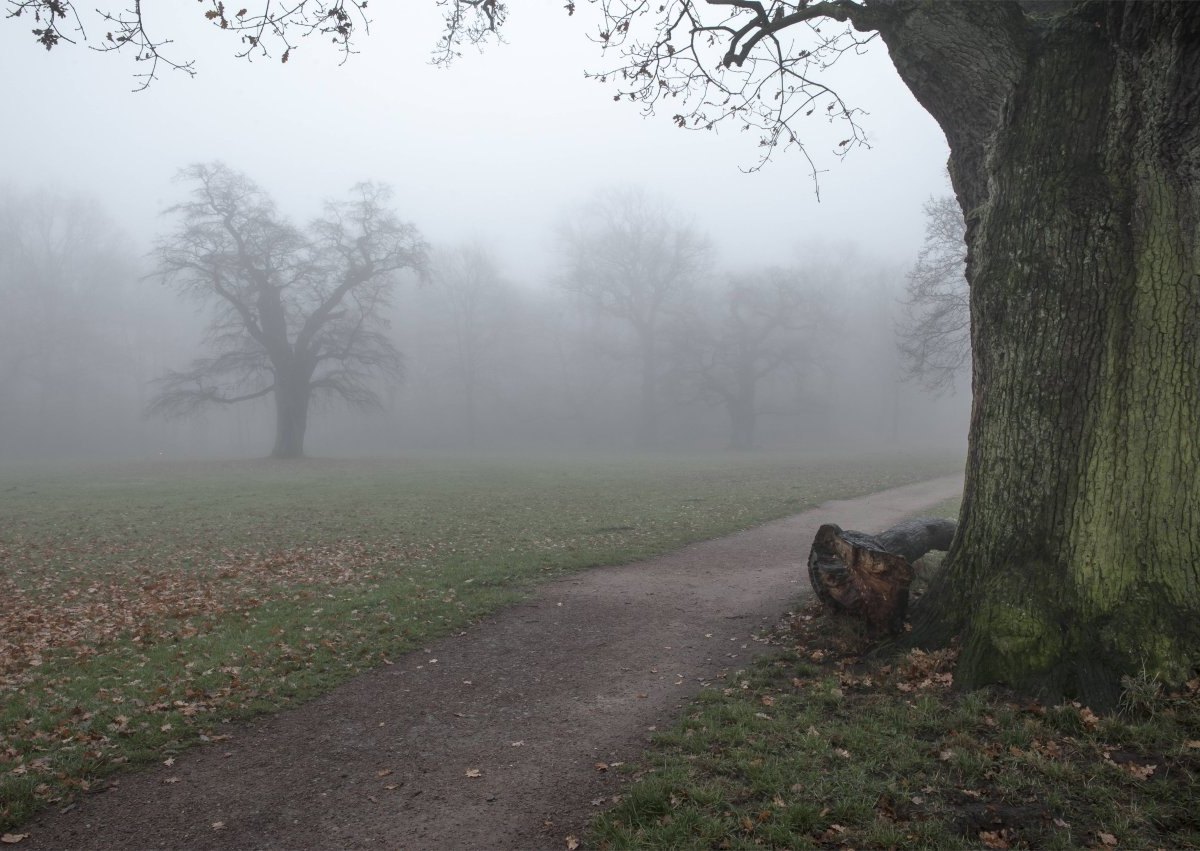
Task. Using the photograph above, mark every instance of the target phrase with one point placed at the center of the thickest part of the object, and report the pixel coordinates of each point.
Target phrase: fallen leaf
(767, 700)
(572, 842)
(383, 772)
(13, 838)
(391, 786)
(842, 752)
(218, 825)
(169, 761)
(602, 766)
(171, 780)
(474, 772)
(993, 839)
(1060, 823)
(1107, 839)
(517, 744)
(1141, 772)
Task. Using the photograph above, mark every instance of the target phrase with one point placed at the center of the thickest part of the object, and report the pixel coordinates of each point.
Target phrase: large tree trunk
(292, 395)
(1078, 553)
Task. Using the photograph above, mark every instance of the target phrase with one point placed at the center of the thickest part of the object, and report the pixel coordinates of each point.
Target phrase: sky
(498, 147)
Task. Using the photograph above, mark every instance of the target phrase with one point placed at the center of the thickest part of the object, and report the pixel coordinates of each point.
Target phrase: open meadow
(143, 604)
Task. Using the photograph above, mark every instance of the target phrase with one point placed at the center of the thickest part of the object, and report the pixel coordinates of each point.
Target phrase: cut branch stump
(868, 576)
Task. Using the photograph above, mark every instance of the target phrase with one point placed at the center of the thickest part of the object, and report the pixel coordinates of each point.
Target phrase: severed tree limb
(868, 575)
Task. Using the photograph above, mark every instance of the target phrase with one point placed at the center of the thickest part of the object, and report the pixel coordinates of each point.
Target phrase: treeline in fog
(242, 329)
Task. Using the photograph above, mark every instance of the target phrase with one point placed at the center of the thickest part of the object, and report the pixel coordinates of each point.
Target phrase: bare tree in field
(935, 334)
(628, 256)
(764, 324)
(297, 312)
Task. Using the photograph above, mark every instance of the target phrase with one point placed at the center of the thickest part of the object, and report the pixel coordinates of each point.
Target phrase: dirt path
(532, 699)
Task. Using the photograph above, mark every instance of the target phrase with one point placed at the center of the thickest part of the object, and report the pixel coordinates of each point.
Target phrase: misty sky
(496, 147)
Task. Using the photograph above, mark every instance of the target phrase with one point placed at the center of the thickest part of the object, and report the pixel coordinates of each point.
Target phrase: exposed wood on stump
(868, 576)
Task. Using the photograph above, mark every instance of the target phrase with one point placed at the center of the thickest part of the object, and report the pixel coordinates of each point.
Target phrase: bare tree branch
(276, 27)
(934, 337)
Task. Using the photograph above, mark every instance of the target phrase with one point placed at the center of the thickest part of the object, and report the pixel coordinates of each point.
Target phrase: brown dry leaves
(62, 607)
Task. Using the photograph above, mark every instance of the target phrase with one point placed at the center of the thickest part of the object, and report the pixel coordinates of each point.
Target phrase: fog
(507, 329)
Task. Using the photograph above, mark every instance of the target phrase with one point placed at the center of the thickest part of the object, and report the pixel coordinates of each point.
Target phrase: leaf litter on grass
(165, 596)
(137, 613)
(862, 753)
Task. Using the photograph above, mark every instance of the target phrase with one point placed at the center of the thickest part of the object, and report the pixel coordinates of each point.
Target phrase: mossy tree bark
(1076, 156)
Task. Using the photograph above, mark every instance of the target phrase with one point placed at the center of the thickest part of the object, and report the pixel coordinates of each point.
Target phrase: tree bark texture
(1078, 169)
(293, 394)
(868, 576)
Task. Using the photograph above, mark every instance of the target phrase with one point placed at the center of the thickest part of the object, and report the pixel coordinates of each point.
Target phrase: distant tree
(934, 336)
(628, 257)
(65, 275)
(469, 281)
(298, 312)
(764, 324)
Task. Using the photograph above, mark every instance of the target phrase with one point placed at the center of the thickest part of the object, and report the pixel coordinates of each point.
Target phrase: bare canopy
(295, 312)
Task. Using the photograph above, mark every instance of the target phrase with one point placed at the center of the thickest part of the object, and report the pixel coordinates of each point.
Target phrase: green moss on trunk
(1079, 547)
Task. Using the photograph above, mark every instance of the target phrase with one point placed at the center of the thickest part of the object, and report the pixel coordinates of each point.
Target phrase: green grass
(142, 605)
(818, 747)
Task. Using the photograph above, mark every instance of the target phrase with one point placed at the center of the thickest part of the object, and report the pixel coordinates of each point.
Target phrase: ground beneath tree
(507, 736)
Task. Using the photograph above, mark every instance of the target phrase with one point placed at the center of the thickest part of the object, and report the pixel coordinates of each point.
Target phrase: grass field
(142, 604)
(818, 747)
